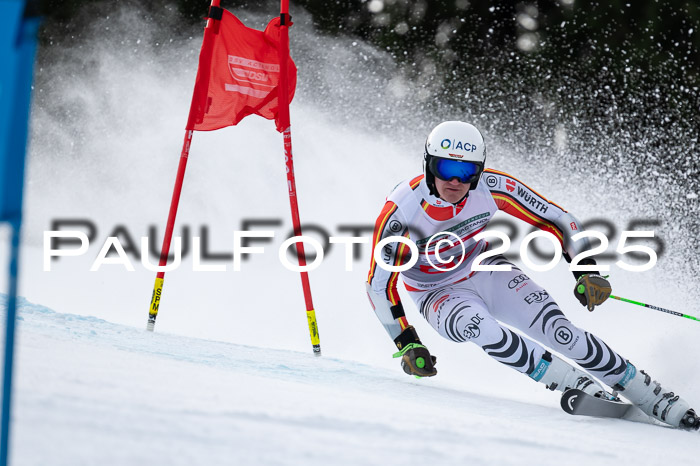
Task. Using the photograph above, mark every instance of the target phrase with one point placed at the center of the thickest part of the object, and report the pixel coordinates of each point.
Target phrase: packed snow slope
(107, 125)
(90, 391)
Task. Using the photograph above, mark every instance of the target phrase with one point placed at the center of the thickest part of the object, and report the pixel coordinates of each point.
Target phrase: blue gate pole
(18, 38)
(9, 344)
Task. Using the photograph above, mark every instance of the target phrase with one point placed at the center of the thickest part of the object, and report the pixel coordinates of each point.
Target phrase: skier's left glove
(415, 358)
(592, 290)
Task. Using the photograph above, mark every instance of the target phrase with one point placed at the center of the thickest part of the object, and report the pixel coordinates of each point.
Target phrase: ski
(577, 402)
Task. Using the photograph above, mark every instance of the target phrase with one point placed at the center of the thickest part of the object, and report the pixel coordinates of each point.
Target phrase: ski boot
(557, 374)
(656, 401)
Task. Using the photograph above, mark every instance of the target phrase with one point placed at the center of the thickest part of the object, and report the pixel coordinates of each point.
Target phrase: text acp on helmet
(457, 145)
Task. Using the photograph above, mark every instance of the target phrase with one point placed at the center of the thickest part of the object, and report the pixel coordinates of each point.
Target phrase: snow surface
(93, 392)
(228, 377)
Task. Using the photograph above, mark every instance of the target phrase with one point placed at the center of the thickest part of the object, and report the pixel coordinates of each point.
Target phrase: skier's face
(451, 191)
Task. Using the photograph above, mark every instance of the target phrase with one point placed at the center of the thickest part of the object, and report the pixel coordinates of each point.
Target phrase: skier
(455, 198)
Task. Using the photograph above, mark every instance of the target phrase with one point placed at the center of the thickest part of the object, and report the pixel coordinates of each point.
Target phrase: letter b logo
(562, 335)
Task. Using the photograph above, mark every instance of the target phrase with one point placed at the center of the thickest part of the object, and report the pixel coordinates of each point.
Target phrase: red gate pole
(165, 249)
(184, 155)
(291, 184)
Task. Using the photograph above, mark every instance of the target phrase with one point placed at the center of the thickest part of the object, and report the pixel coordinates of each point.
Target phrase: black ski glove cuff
(405, 338)
(587, 261)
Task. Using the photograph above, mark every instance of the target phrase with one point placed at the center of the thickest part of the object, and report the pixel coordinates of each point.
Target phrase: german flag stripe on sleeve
(491, 170)
(512, 207)
(416, 181)
(392, 293)
(379, 226)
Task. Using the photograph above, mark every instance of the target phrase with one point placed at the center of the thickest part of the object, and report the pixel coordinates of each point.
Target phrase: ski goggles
(446, 169)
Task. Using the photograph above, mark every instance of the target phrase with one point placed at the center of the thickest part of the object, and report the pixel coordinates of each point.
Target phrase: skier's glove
(415, 358)
(592, 290)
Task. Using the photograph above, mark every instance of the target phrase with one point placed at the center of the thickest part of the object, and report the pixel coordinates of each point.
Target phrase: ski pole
(668, 311)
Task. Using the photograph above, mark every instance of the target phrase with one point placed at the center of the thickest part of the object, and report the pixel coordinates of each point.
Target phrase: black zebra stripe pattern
(452, 327)
(512, 344)
(600, 358)
(427, 302)
(552, 310)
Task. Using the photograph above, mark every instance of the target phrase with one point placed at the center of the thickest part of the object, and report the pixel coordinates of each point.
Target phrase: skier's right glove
(415, 358)
(592, 290)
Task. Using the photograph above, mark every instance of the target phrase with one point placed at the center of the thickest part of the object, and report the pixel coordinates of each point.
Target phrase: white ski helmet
(454, 149)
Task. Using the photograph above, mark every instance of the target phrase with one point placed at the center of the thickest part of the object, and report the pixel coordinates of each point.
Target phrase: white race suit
(463, 305)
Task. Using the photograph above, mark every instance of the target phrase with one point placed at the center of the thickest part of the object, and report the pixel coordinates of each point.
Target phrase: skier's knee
(563, 336)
